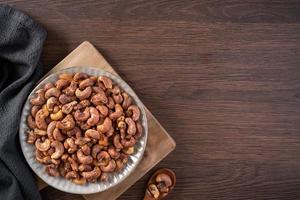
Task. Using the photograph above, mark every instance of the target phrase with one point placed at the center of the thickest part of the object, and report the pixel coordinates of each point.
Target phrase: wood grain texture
(221, 76)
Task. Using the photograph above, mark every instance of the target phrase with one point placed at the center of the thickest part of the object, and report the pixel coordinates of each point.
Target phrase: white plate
(62, 183)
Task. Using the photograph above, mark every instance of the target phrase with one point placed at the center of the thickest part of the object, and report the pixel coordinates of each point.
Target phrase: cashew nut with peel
(106, 81)
(52, 92)
(110, 103)
(86, 149)
(103, 141)
(94, 174)
(118, 98)
(118, 112)
(94, 118)
(42, 146)
(70, 145)
(73, 163)
(39, 99)
(75, 132)
(82, 116)
(131, 130)
(134, 109)
(113, 153)
(83, 158)
(82, 141)
(106, 126)
(110, 167)
(82, 104)
(52, 170)
(128, 143)
(67, 123)
(83, 94)
(64, 99)
(59, 149)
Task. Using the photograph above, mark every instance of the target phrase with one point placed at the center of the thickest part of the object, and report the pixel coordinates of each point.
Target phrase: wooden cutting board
(159, 143)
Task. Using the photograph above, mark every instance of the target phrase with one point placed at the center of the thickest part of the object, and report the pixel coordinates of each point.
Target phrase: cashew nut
(139, 131)
(103, 141)
(110, 132)
(52, 92)
(67, 123)
(47, 86)
(118, 112)
(34, 110)
(79, 181)
(104, 177)
(94, 174)
(153, 190)
(52, 170)
(128, 143)
(106, 126)
(117, 142)
(82, 141)
(75, 132)
(86, 149)
(126, 100)
(106, 81)
(83, 158)
(103, 110)
(70, 91)
(31, 122)
(129, 150)
(118, 98)
(113, 153)
(82, 116)
(57, 135)
(135, 112)
(103, 157)
(110, 103)
(99, 98)
(66, 76)
(70, 145)
(39, 132)
(50, 129)
(59, 149)
(82, 104)
(39, 99)
(94, 118)
(91, 133)
(85, 83)
(68, 108)
(41, 158)
(31, 137)
(85, 168)
(62, 83)
(40, 119)
(110, 167)
(80, 75)
(83, 94)
(131, 130)
(63, 98)
(95, 150)
(42, 146)
(73, 163)
(51, 102)
(71, 175)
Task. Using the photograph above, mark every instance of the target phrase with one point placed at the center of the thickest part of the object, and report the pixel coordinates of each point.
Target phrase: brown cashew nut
(30, 122)
(135, 112)
(82, 141)
(118, 98)
(59, 149)
(91, 133)
(106, 126)
(94, 118)
(115, 90)
(99, 98)
(94, 174)
(110, 132)
(70, 145)
(85, 168)
(50, 129)
(75, 132)
(154, 190)
(128, 143)
(83, 94)
(139, 131)
(164, 182)
(52, 92)
(83, 158)
(129, 150)
(118, 112)
(103, 158)
(64, 99)
(110, 103)
(95, 150)
(85, 83)
(62, 83)
(68, 108)
(103, 110)
(52, 170)
(70, 91)
(42, 146)
(67, 123)
(31, 137)
(103, 141)
(82, 104)
(57, 135)
(40, 119)
(86, 149)
(51, 102)
(55, 162)
(82, 116)
(116, 142)
(41, 158)
(57, 116)
(71, 175)
(79, 76)
(73, 163)
(106, 81)
(113, 152)
(47, 86)
(66, 76)
(34, 110)
(131, 130)
(39, 99)
(110, 167)
(126, 100)
(104, 177)
(79, 181)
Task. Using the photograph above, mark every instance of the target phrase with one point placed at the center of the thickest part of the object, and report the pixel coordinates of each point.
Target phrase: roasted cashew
(68, 108)
(31, 137)
(86, 149)
(39, 99)
(79, 181)
(110, 132)
(55, 162)
(129, 150)
(62, 83)
(52, 92)
(79, 76)
(103, 158)
(67, 123)
(164, 182)
(153, 190)
(106, 126)
(40, 119)
(52, 170)
(113, 152)
(98, 89)
(118, 112)
(106, 81)
(110, 103)
(126, 100)
(57, 135)
(83, 158)
(42, 146)
(47, 86)
(91, 133)
(134, 109)
(118, 98)
(50, 129)
(50, 151)
(94, 174)
(59, 149)
(82, 104)
(99, 98)
(39, 132)
(95, 150)
(51, 102)
(56, 116)
(34, 110)
(30, 122)
(82, 141)
(85, 83)
(104, 176)
(110, 167)
(75, 132)
(82, 116)
(73, 163)
(139, 131)
(103, 141)
(131, 130)
(63, 98)
(115, 90)
(94, 118)
(117, 142)
(85, 168)
(83, 94)
(70, 145)
(71, 175)
(103, 110)
(41, 158)
(70, 91)
(66, 76)
(128, 143)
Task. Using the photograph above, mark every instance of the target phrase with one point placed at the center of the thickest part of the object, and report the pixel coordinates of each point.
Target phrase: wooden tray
(159, 143)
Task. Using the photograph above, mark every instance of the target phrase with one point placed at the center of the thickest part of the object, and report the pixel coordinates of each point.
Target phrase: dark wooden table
(223, 77)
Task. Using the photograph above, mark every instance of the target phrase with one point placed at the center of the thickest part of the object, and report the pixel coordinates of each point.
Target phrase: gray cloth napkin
(21, 42)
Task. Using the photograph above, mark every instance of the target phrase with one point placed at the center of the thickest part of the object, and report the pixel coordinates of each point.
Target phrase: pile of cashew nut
(83, 127)
(162, 185)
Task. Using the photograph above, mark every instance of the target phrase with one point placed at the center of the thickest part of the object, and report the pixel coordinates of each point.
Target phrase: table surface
(222, 77)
